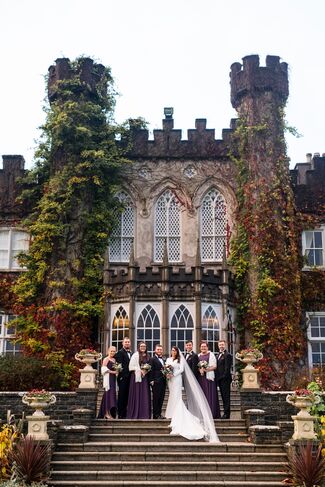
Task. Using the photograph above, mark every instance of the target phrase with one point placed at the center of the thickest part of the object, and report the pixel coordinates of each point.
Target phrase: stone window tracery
(148, 328)
(167, 227)
(120, 327)
(211, 328)
(213, 226)
(181, 327)
(122, 238)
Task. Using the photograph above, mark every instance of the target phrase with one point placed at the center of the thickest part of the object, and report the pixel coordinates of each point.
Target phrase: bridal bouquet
(203, 364)
(167, 370)
(117, 367)
(146, 367)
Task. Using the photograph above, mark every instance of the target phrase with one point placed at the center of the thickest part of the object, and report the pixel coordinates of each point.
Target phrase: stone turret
(252, 80)
(90, 73)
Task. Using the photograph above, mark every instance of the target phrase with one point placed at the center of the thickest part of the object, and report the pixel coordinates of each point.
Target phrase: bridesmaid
(139, 393)
(108, 404)
(206, 379)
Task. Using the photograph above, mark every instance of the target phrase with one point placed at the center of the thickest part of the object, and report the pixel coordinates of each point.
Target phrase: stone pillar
(165, 301)
(197, 298)
(132, 271)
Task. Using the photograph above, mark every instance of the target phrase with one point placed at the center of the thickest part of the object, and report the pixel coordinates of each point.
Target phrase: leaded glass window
(213, 226)
(181, 327)
(167, 228)
(120, 327)
(122, 238)
(148, 328)
(210, 328)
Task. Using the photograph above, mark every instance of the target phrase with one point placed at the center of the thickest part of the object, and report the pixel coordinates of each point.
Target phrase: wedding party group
(138, 377)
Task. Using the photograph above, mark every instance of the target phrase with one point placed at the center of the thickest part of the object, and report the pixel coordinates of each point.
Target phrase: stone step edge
(83, 473)
(166, 454)
(178, 444)
(121, 462)
(130, 483)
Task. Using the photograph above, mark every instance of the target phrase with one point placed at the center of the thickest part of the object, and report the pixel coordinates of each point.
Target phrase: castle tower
(265, 202)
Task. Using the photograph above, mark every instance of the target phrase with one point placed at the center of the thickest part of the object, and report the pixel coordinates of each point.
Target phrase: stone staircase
(142, 453)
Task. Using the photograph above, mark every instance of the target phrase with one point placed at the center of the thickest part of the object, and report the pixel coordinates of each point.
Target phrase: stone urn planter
(249, 356)
(88, 373)
(303, 421)
(37, 422)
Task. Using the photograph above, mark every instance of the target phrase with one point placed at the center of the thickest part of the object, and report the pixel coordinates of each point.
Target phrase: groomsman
(123, 379)
(223, 377)
(157, 381)
(192, 358)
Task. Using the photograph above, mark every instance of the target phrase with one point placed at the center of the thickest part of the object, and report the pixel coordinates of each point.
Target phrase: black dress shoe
(161, 417)
(225, 417)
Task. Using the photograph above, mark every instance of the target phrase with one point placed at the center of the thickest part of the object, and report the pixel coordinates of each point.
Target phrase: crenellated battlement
(250, 79)
(308, 181)
(167, 142)
(90, 74)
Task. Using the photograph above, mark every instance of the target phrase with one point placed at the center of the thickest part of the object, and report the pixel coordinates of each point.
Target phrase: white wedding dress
(194, 422)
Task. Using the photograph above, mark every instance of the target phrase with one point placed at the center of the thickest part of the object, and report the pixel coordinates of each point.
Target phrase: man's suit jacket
(122, 358)
(156, 374)
(193, 359)
(224, 364)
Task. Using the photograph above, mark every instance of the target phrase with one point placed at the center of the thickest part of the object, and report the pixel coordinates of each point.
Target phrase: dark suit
(192, 359)
(123, 381)
(159, 385)
(223, 379)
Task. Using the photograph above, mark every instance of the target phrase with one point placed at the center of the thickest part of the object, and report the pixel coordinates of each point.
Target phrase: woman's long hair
(143, 356)
(178, 353)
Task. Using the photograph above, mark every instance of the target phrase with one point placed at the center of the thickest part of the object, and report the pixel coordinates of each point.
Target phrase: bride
(195, 421)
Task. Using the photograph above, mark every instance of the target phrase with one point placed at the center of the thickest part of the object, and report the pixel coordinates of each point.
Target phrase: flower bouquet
(117, 367)
(146, 367)
(203, 364)
(167, 371)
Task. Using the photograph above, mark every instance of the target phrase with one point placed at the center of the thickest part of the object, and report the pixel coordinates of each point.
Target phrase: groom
(157, 381)
(192, 358)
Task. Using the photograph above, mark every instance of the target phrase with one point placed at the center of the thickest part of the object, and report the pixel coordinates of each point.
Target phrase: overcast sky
(162, 53)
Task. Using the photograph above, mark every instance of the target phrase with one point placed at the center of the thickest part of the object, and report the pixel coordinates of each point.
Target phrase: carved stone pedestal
(250, 377)
(37, 427)
(87, 378)
(303, 426)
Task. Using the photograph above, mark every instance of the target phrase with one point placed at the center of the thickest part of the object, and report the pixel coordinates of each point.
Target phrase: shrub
(30, 461)
(306, 466)
(9, 434)
(17, 371)
(13, 483)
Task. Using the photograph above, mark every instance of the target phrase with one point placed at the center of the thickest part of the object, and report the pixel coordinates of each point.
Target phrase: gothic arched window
(167, 227)
(148, 328)
(213, 226)
(122, 237)
(120, 327)
(181, 327)
(211, 328)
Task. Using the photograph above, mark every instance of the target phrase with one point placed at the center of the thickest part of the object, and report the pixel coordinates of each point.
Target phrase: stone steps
(133, 453)
(183, 457)
(163, 446)
(145, 475)
(123, 465)
(162, 437)
(180, 483)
